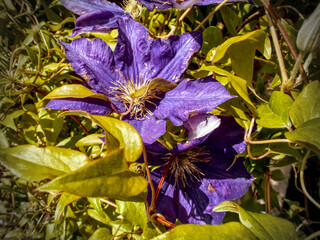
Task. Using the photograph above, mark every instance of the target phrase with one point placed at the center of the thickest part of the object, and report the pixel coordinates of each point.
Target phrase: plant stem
(313, 235)
(211, 14)
(303, 165)
(276, 44)
(153, 193)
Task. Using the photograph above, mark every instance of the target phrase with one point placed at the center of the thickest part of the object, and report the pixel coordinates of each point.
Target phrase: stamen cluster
(183, 168)
(136, 106)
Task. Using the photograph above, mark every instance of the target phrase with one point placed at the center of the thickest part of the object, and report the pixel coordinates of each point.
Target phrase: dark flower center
(183, 168)
(135, 105)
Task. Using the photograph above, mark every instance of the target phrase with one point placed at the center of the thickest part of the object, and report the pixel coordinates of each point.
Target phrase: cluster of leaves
(102, 202)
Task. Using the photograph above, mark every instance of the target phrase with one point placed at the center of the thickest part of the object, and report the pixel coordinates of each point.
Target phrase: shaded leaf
(212, 37)
(99, 179)
(35, 163)
(275, 114)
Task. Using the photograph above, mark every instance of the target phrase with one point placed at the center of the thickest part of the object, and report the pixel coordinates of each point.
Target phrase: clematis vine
(142, 78)
(198, 175)
(102, 16)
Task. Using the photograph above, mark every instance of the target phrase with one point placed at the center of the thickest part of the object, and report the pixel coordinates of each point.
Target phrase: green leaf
(74, 91)
(230, 18)
(121, 134)
(135, 212)
(307, 104)
(101, 234)
(231, 230)
(239, 84)
(32, 55)
(307, 132)
(263, 226)
(34, 163)
(161, 84)
(65, 199)
(9, 119)
(50, 125)
(212, 37)
(241, 50)
(275, 114)
(3, 141)
(106, 177)
(92, 139)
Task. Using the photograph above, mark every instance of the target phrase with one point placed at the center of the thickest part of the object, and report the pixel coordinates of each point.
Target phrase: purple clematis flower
(199, 174)
(132, 78)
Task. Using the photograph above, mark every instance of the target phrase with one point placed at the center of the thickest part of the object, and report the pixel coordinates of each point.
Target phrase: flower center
(183, 168)
(126, 92)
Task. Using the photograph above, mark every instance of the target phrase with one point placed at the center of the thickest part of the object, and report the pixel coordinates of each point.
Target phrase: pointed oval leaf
(135, 212)
(101, 234)
(307, 104)
(92, 139)
(231, 230)
(241, 50)
(35, 163)
(74, 91)
(121, 134)
(106, 177)
(307, 132)
(65, 199)
(263, 226)
(275, 114)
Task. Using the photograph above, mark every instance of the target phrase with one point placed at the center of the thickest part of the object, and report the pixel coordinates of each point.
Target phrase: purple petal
(138, 56)
(149, 129)
(209, 2)
(90, 105)
(230, 135)
(93, 60)
(168, 4)
(191, 97)
(81, 7)
(100, 21)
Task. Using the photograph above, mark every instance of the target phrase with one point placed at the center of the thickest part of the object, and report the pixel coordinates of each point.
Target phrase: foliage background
(32, 64)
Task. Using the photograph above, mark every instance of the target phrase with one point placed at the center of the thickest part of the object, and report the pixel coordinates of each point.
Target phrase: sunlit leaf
(74, 91)
(263, 226)
(134, 212)
(64, 200)
(275, 114)
(241, 50)
(307, 104)
(50, 125)
(232, 230)
(101, 234)
(92, 139)
(106, 177)
(121, 134)
(161, 84)
(307, 132)
(35, 163)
